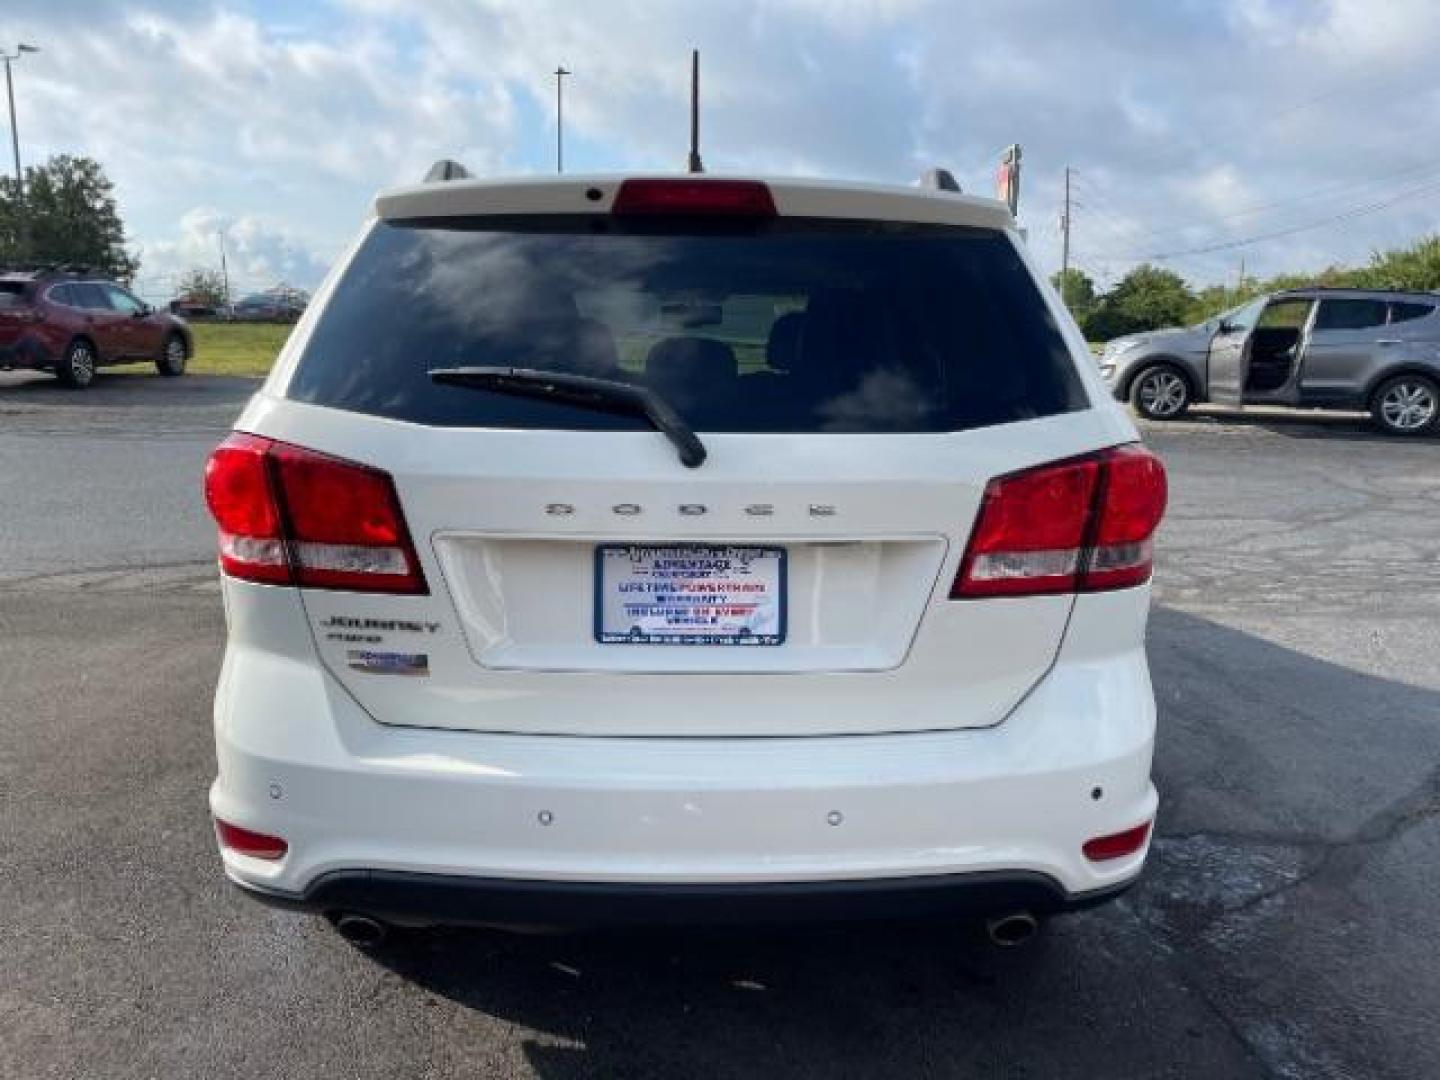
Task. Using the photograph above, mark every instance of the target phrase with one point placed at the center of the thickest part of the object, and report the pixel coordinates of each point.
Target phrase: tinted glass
(1400, 312)
(1350, 314)
(794, 326)
(1243, 318)
(89, 296)
(63, 294)
(12, 293)
(1285, 314)
(122, 301)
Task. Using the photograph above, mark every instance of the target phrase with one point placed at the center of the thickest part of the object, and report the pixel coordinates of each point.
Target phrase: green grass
(236, 348)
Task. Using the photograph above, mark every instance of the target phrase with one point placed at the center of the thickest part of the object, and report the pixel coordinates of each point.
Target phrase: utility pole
(24, 230)
(1240, 284)
(1065, 242)
(694, 165)
(560, 74)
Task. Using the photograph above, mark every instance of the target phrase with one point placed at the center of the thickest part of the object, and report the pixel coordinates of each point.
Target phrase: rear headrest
(782, 349)
(836, 332)
(689, 367)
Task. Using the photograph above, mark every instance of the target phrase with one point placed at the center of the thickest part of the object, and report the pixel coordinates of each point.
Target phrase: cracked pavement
(1288, 927)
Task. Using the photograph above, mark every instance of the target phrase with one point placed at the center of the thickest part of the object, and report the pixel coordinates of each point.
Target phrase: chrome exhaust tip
(360, 930)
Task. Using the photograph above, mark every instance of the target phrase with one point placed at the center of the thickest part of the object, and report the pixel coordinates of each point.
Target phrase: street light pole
(693, 164)
(224, 272)
(560, 74)
(24, 219)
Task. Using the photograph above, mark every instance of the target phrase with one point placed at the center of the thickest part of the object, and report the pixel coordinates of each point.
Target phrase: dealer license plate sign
(689, 594)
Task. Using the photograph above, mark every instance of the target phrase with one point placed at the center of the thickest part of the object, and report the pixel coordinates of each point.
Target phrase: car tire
(76, 366)
(1407, 404)
(173, 356)
(1160, 392)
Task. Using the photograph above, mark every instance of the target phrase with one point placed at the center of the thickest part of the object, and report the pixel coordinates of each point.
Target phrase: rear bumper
(493, 824)
(27, 351)
(409, 899)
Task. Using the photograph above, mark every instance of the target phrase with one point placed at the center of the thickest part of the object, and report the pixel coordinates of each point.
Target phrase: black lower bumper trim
(409, 899)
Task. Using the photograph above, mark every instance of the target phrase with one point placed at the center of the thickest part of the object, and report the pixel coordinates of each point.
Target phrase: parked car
(266, 307)
(194, 307)
(553, 601)
(73, 323)
(1376, 351)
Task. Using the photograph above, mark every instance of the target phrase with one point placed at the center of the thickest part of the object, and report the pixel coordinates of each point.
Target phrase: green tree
(1415, 267)
(72, 217)
(1147, 298)
(1077, 290)
(202, 286)
(1150, 297)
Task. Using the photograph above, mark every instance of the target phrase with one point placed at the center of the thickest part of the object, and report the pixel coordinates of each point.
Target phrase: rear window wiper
(586, 392)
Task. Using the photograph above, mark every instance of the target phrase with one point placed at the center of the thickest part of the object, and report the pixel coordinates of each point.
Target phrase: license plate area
(690, 594)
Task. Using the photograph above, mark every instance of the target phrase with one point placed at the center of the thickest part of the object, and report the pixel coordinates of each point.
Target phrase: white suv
(661, 549)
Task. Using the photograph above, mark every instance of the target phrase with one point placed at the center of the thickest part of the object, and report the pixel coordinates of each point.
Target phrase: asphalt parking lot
(1289, 927)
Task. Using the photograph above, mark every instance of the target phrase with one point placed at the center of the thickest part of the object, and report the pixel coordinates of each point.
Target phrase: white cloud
(1217, 191)
(289, 137)
(1175, 116)
(258, 254)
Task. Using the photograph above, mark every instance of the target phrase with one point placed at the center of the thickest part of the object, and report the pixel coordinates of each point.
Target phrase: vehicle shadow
(123, 386)
(1301, 424)
(1256, 739)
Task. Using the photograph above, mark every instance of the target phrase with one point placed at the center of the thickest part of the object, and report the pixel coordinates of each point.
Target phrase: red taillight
(345, 526)
(1081, 525)
(706, 198)
(244, 842)
(239, 489)
(1131, 502)
(291, 516)
(1116, 845)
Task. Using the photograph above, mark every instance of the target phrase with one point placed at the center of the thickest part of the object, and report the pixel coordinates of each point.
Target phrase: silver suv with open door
(1376, 351)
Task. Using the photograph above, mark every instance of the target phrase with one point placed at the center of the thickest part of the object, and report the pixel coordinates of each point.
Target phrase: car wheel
(172, 356)
(1160, 393)
(76, 366)
(1406, 405)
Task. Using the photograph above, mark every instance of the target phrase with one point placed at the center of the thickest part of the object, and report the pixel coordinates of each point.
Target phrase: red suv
(72, 323)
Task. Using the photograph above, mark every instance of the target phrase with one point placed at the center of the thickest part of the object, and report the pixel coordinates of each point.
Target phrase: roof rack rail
(938, 179)
(1353, 288)
(445, 169)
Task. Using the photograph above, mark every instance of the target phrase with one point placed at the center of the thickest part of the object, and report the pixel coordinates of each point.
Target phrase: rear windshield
(792, 326)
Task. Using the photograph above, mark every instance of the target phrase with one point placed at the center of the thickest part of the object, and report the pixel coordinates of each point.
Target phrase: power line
(1108, 222)
(1121, 230)
(1424, 168)
(1347, 215)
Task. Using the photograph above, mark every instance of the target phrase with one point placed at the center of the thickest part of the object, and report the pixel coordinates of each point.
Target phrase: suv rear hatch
(17, 315)
(856, 383)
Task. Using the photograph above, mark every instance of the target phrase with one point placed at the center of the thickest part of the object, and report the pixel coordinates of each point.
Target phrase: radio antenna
(695, 165)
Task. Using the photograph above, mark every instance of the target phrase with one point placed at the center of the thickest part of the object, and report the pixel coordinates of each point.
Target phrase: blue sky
(1193, 127)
